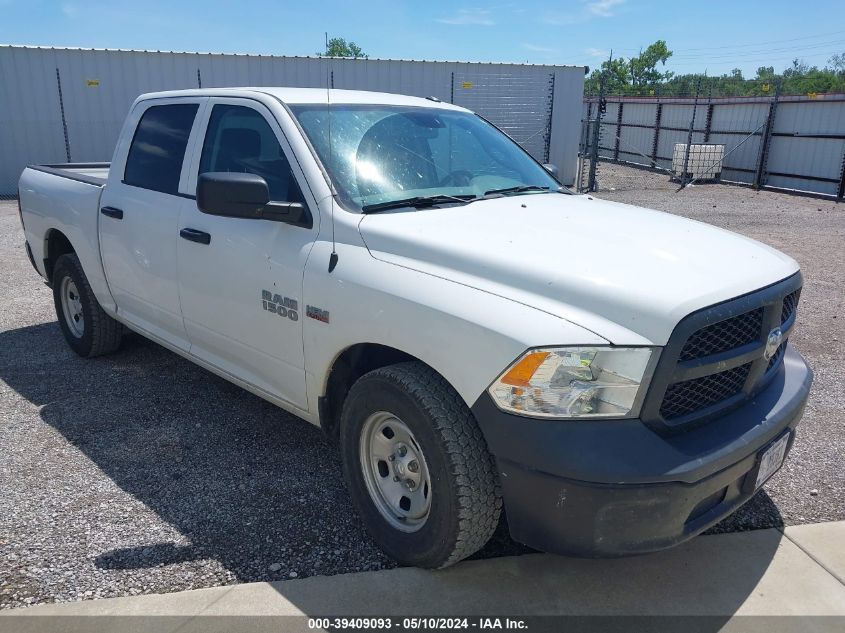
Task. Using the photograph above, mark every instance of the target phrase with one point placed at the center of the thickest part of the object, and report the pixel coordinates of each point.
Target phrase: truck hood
(627, 274)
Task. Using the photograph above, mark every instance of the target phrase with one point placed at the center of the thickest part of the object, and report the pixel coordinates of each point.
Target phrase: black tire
(466, 500)
(101, 334)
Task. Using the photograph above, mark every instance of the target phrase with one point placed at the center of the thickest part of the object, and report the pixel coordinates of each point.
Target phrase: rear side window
(158, 148)
(239, 139)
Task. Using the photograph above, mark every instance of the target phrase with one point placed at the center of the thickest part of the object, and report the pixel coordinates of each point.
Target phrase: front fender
(469, 336)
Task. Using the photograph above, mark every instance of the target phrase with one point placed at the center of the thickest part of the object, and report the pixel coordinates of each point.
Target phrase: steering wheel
(459, 178)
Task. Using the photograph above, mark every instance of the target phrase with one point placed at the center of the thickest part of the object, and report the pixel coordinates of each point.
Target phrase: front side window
(158, 148)
(239, 139)
(381, 153)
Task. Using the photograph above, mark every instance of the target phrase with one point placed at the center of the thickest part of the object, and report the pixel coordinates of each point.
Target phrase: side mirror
(232, 194)
(242, 195)
(552, 169)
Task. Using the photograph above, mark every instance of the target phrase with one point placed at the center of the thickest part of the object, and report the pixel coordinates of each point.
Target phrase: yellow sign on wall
(466, 84)
(92, 83)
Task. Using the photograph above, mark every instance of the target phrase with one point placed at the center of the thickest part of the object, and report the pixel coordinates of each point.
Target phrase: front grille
(716, 355)
(683, 398)
(724, 335)
(790, 303)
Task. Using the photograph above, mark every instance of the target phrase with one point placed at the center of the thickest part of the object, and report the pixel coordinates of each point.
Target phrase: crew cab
(478, 339)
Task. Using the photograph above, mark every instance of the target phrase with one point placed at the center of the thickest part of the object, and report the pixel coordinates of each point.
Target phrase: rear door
(241, 291)
(139, 216)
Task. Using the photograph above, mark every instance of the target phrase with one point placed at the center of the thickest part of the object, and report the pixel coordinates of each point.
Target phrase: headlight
(574, 382)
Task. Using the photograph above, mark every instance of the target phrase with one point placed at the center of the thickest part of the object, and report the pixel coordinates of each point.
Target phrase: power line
(731, 47)
(740, 55)
(736, 46)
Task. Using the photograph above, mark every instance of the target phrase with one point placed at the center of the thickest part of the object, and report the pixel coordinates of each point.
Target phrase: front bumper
(617, 487)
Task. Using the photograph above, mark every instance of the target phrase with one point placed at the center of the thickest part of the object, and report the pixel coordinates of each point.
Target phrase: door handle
(112, 212)
(192, 235)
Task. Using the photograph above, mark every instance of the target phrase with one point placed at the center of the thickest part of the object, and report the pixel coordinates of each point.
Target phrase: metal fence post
(594, 150)
(619, 108)
(594, 154)
(689, 134)
(548, 144)
(657, 115)
(62, 109)
(708, 120)
(763, 159)
(841, 193)
(583, 145)
(708, 125)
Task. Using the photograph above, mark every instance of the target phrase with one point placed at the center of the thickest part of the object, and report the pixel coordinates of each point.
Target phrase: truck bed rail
(90, 173)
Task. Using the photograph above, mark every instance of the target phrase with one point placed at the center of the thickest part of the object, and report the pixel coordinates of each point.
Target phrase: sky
(712, 36)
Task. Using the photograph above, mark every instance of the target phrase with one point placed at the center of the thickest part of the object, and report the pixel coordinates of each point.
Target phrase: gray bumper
(615, 487)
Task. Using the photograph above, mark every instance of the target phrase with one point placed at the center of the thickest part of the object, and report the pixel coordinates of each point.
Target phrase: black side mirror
(232, 194)
(242, 195)
(552, 169)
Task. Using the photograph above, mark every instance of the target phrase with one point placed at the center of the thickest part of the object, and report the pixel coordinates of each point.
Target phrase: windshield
(381, 153)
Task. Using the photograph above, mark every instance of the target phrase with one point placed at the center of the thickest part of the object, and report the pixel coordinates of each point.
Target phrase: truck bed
(90, 173)
(65, 199)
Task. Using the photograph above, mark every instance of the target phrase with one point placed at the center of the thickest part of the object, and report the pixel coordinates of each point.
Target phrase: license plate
(771, 460)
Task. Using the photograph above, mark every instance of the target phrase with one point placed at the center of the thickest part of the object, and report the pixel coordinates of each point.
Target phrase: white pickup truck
(477, 338)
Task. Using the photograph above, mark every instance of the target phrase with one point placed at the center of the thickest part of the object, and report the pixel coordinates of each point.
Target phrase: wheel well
(353, 362)
(57, 245)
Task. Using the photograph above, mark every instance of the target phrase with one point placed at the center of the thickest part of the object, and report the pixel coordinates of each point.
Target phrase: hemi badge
(317, 313)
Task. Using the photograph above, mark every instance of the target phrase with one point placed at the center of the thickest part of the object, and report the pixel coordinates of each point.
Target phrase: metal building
(68, 104)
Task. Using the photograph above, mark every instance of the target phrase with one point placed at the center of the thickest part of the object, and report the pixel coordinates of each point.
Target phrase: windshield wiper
(519, 189)
(416, 201)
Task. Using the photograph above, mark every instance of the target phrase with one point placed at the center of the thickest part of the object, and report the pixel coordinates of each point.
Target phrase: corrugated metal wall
(44, 90)
(511, 101)
(805, 144)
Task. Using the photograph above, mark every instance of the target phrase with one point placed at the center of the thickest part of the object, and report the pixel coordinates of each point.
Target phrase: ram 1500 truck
(476, 338)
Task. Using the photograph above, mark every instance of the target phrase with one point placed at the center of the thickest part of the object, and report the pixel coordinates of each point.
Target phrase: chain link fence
(788, 142)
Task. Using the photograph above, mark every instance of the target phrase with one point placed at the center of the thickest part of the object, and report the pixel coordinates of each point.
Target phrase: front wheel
(417, 466)
(88, 330)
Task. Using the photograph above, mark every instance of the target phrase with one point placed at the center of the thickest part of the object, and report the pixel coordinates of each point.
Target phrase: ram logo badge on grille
(773, 341)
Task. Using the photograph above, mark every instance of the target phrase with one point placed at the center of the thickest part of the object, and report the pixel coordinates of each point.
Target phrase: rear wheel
(87, 328)
(417, 466)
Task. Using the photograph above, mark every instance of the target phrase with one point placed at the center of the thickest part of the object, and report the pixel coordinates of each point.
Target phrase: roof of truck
(309, 95)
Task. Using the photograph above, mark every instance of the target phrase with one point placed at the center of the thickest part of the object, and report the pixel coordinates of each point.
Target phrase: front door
(241, 291)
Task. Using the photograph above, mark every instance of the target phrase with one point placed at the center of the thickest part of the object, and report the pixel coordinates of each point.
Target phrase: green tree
(644, 67)
(615, 73)
(766, 73)
(641, 75)
(339, 47)
(636, 75)
(837, 63)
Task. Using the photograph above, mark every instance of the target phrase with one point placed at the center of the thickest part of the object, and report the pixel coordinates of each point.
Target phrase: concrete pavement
(799, 571)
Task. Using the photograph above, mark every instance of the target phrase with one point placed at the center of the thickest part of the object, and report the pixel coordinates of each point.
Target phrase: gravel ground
(142, 473)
